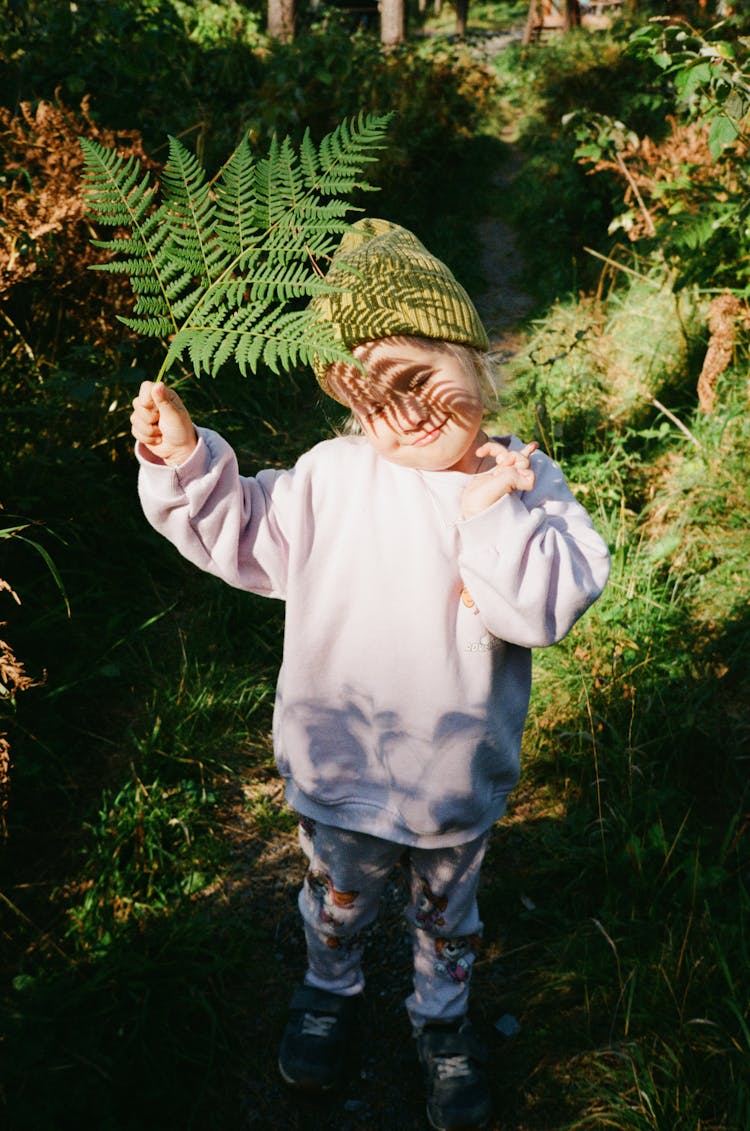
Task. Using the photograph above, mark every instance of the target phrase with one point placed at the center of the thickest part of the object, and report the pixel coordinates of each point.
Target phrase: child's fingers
(505, 457)
(490, 447)
(165, 398)
(145, 429)
(501, 455)
(155, 399)
(144, 419)
(145, 396)
(161, 422)
(522, 459)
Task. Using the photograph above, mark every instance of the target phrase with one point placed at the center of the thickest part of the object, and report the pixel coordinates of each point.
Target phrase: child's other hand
(512, 472)
(162, 423)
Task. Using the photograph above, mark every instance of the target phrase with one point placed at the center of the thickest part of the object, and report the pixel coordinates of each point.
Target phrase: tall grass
(635, 799)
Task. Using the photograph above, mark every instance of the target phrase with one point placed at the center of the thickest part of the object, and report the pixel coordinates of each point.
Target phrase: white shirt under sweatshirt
(405, 681)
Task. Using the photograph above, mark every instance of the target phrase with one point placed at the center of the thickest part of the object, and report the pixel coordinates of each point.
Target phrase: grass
(633, 812)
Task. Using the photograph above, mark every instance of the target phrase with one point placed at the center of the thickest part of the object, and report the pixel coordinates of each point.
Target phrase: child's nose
(413, 410)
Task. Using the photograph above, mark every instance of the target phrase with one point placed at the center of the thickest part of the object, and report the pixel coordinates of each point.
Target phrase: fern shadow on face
(418, 402)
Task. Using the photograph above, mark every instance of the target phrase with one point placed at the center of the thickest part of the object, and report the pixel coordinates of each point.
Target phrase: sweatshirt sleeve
(533, 562)
(225, 523)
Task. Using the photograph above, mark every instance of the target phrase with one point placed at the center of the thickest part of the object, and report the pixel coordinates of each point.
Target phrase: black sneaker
(317, 1042)
(452, 1058)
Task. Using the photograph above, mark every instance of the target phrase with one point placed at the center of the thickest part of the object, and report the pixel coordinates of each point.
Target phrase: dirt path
(503, 304)
(384, 1090)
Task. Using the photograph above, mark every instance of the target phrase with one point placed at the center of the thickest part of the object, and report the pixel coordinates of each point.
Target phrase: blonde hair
(479, 364)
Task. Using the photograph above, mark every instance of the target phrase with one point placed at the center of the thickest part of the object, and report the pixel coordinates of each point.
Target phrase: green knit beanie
(392, 285)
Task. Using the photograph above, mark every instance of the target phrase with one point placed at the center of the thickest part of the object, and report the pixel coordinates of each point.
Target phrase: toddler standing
(420, 562)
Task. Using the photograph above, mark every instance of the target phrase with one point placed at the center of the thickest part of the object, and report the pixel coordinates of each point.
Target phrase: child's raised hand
(162, 423)
(512, 472)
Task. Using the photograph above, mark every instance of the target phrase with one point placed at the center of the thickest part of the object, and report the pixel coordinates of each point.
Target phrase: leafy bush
(49, 296)
(212, 24)
(13, 679)
(556, 209)
(629, 829)
(443, 102)
(598, 366)
(685, 195)
(51, 44)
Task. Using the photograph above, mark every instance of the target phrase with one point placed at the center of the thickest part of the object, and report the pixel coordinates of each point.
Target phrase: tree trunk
(462, 15)
(392, 24)
(281, 19)
(572, 14)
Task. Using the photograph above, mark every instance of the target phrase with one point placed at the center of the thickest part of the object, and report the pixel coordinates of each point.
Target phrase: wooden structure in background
(547, 16)
(550, 16)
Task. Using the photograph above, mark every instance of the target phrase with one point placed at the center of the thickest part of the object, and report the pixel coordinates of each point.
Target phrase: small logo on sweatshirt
(485, 643)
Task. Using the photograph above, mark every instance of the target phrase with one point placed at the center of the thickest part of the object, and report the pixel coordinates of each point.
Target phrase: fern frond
(119, 197)
(344, 151)
(190, 214)
(226, 268)
(149, 327)
(114, 188)
(235, 203)
(279, 340)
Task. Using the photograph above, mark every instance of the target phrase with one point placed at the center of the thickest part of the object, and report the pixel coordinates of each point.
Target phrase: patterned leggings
(340, 897)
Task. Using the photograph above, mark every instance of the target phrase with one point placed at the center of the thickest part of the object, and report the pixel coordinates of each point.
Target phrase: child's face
(418, 406)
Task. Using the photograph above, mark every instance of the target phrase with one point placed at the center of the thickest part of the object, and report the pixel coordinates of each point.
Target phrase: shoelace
(318, 1024)
(452, 1067)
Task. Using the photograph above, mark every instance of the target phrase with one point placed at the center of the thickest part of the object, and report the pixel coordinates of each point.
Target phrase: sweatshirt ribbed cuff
(167, 481)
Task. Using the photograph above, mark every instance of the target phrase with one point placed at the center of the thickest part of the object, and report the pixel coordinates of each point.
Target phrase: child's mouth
(428, 437)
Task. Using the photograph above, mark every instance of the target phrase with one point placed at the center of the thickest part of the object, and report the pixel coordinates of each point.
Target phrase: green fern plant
(221, 268)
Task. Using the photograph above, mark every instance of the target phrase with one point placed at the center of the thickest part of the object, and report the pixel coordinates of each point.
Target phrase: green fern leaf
(235, 203)
(189, 211)
(308, 156)
(149, 327)
(226, 269)
(343, 153)
(119, 197)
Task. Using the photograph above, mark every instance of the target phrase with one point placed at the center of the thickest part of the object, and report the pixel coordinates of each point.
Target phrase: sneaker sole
(304, 1085)
(457, 1126)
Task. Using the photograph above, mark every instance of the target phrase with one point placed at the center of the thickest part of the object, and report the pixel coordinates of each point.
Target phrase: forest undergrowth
(149, 866)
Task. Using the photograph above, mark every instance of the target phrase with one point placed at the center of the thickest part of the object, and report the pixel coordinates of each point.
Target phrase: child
(420, 562)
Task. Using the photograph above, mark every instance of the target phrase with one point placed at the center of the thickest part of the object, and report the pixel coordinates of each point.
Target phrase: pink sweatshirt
(405, 681)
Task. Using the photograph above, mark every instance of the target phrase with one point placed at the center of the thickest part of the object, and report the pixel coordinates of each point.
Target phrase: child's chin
(436, 463)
